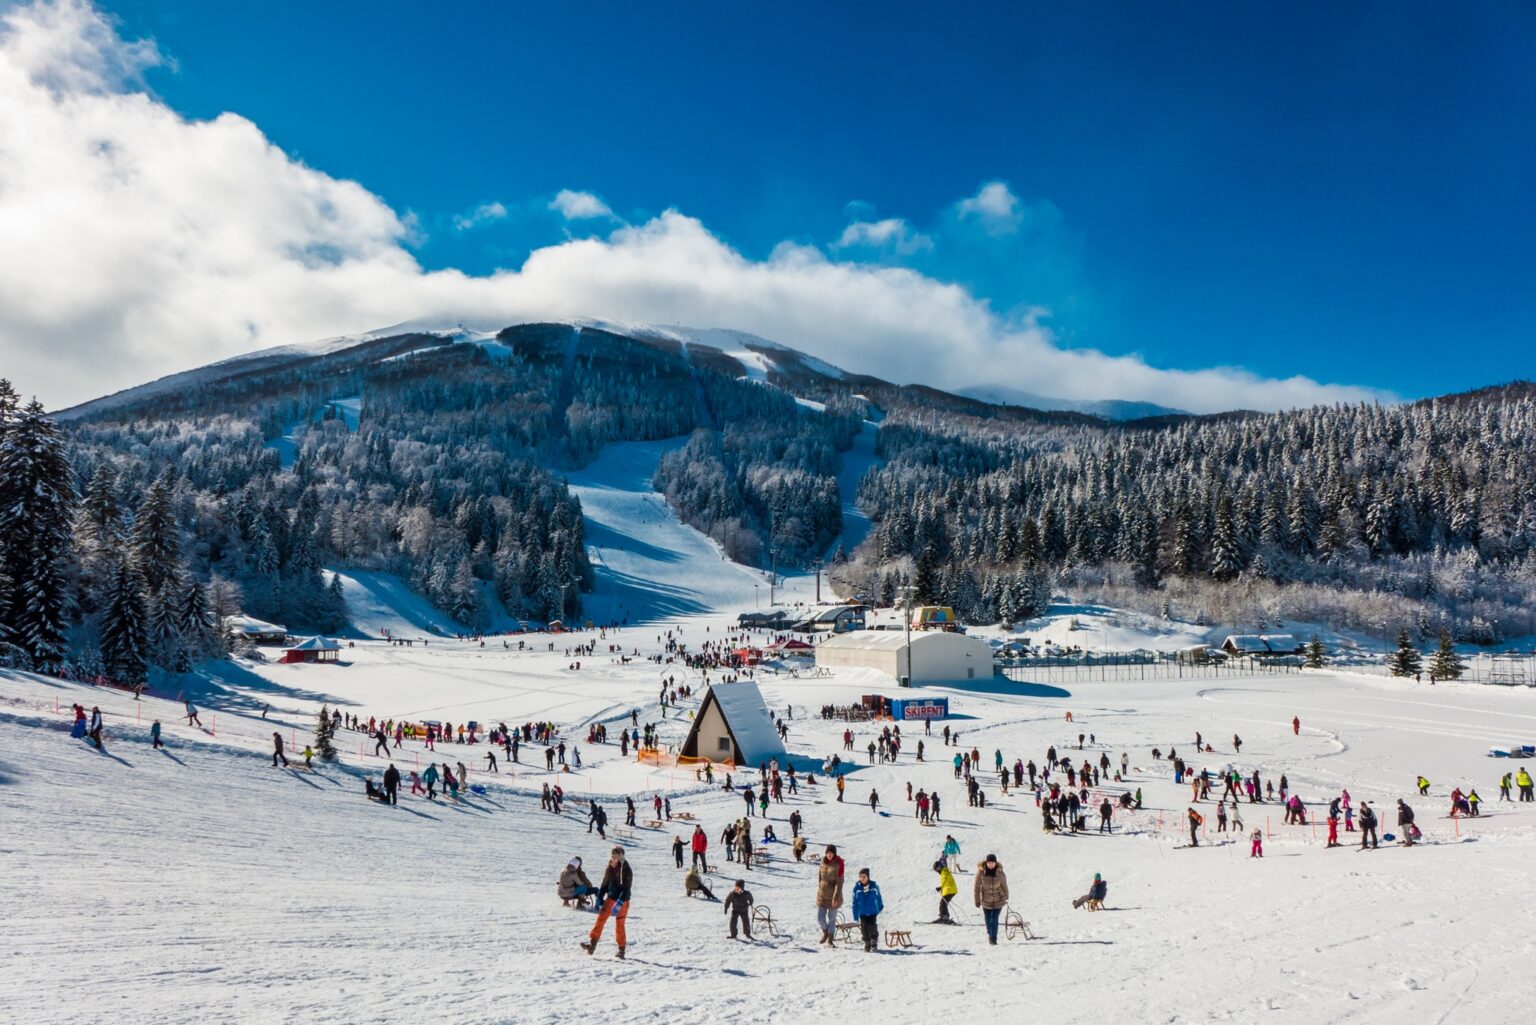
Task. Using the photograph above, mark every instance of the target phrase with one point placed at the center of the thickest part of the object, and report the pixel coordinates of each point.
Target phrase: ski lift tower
(908, 593)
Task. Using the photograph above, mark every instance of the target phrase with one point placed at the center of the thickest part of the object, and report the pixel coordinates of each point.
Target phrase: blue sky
(1341, 191)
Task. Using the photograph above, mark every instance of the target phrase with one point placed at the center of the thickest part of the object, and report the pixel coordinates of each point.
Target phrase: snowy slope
(201, 884)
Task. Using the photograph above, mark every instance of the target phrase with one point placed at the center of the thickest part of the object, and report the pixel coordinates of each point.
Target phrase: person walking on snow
(1368, 827)
(1405, 822)
(154, 736)
(1256, 848)
(738, 905)
(700, 845)
(1196, 820)
(990, 892)
(829, 894)
(391, 784)
(612, 899)
(867, 905)
(1296, 725)
(1423, 785)
(277, 750)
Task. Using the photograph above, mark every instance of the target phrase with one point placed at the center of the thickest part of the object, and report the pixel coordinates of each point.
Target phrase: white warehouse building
(938, 656)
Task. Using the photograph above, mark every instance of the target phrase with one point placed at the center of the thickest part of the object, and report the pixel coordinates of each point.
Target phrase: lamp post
(907, 593)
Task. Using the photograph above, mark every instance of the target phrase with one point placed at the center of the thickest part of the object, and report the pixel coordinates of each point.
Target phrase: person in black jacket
(612, 898)
(1368, 827)
(392, 784)
(738, 904)
(1405, 822)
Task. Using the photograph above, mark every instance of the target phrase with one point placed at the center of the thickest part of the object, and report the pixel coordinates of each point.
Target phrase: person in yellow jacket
(946, 890)
(1523, 781)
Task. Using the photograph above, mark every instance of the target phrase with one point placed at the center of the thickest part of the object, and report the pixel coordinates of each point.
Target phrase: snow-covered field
(201, 884)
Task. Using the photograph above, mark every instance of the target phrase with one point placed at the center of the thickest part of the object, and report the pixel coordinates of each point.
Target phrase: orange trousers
(618, 922)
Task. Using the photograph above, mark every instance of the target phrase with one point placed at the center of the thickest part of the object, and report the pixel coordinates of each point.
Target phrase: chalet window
(724, 744)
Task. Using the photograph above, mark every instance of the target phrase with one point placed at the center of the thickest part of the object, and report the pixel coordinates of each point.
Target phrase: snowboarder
(867, 905)
(738, 905)
(612, 899)
(991, 893)
(829, 894)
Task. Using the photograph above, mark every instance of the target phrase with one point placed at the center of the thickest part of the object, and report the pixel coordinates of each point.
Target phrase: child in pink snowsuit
(1257, 850)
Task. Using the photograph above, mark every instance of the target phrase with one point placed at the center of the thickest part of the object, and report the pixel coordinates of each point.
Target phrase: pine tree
(1405, 661)
(124, 635)
(156, 539)
(1446, 665)
(37, 505)
(325, 731)
(1316, 655)
(1226, 559)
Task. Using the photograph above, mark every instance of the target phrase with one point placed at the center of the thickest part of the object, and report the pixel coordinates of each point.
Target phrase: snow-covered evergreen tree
(1406, 660)
(124, 630)
(1446, 664)
(37, 505)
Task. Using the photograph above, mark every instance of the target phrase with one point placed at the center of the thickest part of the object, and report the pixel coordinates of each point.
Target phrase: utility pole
(907, 592)
(818, 581)
(773, 574)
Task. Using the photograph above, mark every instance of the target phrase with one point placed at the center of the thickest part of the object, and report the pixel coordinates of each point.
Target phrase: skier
(381, 739)
(154, 735)
(1256, 848)
(946, 891)
(429, 777)
(738, 904)
(1196, 820)
(391, 784)
(612, 898)
(829, 894)
(1504, 786)
(1423, 785)
(277, 750)
(192, 719)
(991, 893)
(867, 906)
(490, 762)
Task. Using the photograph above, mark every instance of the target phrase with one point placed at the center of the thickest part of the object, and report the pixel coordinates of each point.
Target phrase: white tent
(937, 655)
(733, 724)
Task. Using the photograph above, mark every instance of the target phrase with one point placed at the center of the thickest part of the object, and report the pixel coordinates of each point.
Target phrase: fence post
(214, 730)
(1267, 831)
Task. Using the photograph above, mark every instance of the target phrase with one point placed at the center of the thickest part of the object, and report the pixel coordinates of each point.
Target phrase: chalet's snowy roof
(251, 625)
(746, 713)
(1262, 642)
(316, 644)
(892, 640)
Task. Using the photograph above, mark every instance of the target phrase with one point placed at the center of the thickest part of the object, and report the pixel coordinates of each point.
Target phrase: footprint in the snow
(1412, 983)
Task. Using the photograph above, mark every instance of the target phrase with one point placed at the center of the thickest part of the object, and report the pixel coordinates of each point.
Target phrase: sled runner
(898, 937)
(1015, 926)
(762, 919)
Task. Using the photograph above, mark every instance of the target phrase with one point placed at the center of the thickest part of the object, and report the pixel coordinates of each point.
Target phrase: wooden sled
(762, 920)
(1014, 926)
(898, 937)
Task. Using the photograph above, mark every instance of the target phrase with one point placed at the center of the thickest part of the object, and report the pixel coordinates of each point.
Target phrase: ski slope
(200, 883)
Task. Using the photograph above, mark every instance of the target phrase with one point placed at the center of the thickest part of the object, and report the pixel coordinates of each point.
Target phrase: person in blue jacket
(867, 906)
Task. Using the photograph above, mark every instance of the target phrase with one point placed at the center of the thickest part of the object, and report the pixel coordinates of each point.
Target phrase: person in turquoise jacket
(430, 779)
(867, 906)
(952, 852)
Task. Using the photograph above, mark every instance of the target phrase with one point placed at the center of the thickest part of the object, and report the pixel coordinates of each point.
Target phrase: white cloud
(137, 243)
(579, 206)
(892, 233)
(995, 206)
(485, 213)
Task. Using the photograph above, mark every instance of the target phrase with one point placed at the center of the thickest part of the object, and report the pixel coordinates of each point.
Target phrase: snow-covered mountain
(1109, 409)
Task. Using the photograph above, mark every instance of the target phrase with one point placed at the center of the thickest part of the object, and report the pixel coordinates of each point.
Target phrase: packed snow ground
(201, 884)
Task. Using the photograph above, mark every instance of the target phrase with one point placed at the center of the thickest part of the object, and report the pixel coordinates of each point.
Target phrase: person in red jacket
(700, 846)
(1296, 725)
